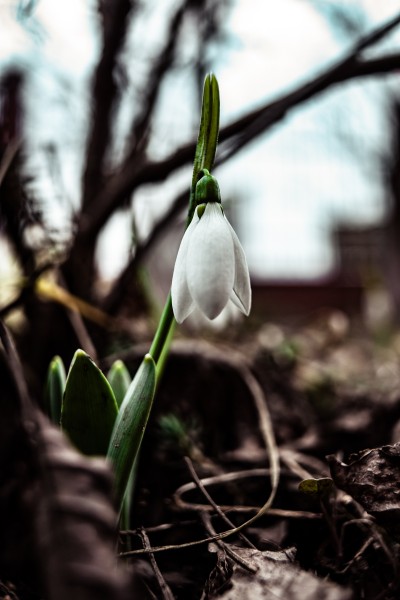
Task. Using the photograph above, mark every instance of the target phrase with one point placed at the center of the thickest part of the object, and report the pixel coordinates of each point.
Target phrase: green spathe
(207, 140)
(89, 408)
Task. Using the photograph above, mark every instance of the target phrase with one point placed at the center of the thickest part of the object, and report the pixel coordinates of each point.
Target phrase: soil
(332, 391)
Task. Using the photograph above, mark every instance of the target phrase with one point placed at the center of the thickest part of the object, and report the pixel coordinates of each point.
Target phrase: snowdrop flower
(210, 269)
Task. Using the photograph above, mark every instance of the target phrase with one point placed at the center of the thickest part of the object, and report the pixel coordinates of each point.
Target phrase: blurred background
(99, 110)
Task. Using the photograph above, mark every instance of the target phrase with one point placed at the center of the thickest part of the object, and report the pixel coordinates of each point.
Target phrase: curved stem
(167, 319)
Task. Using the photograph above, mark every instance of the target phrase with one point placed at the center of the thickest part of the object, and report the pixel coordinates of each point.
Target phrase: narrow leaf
(55, 386)
(131, 423)
(119, 378)
(89, 408)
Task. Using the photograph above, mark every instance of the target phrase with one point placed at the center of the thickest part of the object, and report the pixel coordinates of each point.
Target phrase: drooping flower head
(211, 268)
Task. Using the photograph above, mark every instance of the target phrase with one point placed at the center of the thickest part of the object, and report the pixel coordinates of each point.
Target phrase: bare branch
(238, 134)
(251, 126)
(242, 131)
(118, 292)
(115, 17)
(79, 269)
(162, 64)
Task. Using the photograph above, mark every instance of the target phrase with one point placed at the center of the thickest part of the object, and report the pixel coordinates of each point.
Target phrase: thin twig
(82, 335)
(205, 517)
(26, 287)
(151, 92)
(237, 361)
(289, 459)
(281, 513)
(233, 477)
(8, 157)
(164, 588)
(118, 291)
(357, 555)
(80, 328)
(215, 506)
(157, 528)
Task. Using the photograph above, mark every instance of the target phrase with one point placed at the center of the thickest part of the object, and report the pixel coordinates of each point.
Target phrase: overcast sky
(317, 168)
(291, 186)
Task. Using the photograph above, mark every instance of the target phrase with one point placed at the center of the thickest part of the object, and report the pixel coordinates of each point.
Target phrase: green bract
(89, 408)
(207, 189)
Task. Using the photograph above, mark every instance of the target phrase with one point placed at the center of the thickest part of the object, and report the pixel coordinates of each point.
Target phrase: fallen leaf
(372, 478)
(275, 576)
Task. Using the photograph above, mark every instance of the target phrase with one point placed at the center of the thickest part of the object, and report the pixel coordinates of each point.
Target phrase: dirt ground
(330, 391)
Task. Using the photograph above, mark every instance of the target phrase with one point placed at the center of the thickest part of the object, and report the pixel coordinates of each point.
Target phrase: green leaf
(55, 385)
(89, 408)
(119, 378)
(130, 424)
(316, 487)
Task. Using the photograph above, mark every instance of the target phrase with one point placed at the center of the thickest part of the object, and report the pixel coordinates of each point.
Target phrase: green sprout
(119, 378)
(89, 408)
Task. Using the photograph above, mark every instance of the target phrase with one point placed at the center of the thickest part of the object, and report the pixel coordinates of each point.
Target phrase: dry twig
(164, 588)
(215, 506)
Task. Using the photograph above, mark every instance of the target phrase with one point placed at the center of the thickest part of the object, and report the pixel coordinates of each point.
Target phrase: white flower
(210, 268)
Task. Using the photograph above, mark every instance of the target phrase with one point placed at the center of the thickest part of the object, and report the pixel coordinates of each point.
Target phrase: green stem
(167, 319)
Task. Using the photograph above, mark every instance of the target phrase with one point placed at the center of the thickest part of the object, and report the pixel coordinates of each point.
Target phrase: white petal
(182, 302)
(210, 262)
(237, 302)
(241, 295)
